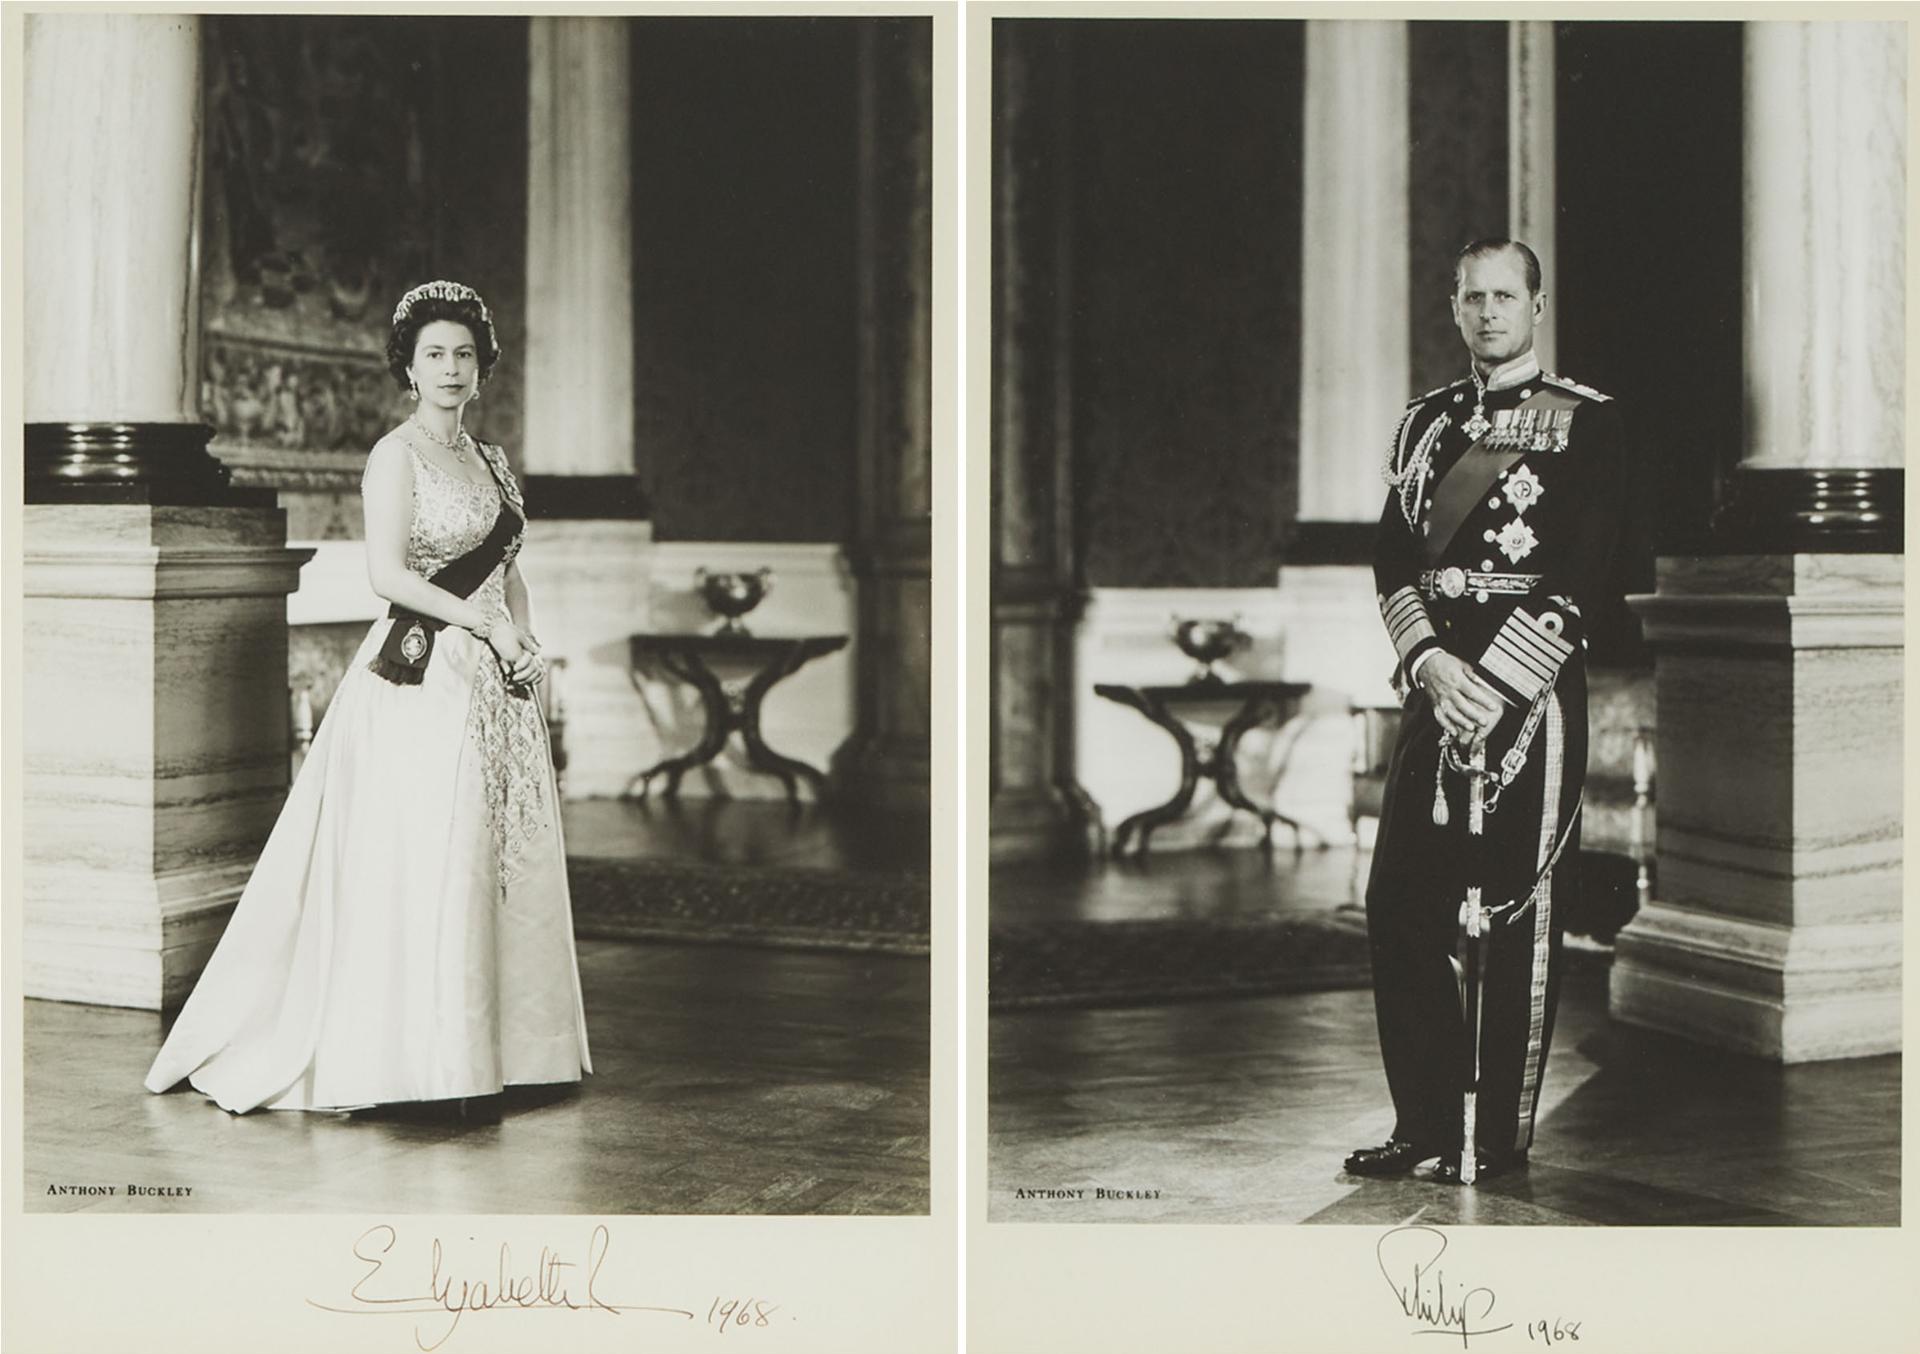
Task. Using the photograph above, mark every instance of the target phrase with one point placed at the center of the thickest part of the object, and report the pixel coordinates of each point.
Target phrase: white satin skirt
(376, 955)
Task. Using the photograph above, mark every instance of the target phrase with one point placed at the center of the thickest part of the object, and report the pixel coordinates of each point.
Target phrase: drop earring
(476, 389)
(413, 391)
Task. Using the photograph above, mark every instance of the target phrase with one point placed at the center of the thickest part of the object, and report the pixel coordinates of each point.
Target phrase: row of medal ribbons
(1530, 429)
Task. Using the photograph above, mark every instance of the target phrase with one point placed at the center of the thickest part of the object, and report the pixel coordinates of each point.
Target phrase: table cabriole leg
(1225, 769)
(764, 758)
(713, 738)
(1147, 820)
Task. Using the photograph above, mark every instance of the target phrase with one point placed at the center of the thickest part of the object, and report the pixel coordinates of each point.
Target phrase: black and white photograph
(477, 615)
(1447, 629)
(971, 676)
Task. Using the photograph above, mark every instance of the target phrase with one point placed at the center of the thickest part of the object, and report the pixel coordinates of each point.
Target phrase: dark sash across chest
(1539, 423)
(409, 643)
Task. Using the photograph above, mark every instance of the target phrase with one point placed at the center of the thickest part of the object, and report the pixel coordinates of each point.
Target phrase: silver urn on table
(1206, 642)
(732, 595)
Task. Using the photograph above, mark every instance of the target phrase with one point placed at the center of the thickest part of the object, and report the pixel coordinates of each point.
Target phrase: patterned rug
(1120, 963)
(789, 907)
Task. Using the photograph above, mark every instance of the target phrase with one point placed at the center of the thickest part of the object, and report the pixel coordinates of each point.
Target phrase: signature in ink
(1409, 1258)
(553, 1283)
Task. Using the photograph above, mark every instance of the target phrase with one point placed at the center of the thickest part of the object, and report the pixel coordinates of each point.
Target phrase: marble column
(1037, 807)
(111, 327)
(1530, 157)
(579, 249)
(103, 279)
(1825, 303)
(1776, 927)
(1353, 369)
(589, 556)
(156, 745)
(887, 760)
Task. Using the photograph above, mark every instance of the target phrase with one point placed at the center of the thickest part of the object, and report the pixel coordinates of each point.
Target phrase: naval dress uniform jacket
(1495, 547)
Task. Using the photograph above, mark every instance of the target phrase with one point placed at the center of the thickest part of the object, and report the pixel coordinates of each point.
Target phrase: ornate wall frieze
(293, 416)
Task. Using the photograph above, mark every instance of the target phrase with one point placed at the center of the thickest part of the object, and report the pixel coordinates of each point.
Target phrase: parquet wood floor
(727, 1080)
(1242, 1110)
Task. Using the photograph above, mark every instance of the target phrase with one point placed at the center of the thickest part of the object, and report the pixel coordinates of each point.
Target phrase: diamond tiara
(442, 291)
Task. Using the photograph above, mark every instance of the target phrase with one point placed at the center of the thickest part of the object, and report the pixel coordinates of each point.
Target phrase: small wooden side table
(1258, 702)
(730, 710)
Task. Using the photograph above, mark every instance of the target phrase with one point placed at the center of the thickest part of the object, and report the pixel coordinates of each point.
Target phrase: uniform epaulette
(1574, 386)
(1437, 390)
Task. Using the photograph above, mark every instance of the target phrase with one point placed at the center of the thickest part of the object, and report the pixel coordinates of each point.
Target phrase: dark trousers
(1420, 877)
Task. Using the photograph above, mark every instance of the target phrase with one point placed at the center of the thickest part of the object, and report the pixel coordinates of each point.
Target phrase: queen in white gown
(407, 933)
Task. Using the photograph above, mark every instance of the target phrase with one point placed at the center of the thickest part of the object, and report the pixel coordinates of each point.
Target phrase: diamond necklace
(458, 446)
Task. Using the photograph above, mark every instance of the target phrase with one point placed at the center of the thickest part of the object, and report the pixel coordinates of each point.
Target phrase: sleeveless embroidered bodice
(451, 516)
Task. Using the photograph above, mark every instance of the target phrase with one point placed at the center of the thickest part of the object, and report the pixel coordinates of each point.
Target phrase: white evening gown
(407, 932)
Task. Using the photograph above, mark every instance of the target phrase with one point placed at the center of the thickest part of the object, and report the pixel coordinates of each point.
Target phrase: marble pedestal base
(1793, 993)
(1779, 690)
(156, 740)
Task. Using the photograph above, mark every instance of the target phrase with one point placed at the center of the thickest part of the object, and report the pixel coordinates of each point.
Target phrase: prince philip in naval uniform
(1494, 551)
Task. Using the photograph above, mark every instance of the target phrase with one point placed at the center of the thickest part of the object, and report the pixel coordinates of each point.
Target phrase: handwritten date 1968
(1554, 1334)
(736, 1312)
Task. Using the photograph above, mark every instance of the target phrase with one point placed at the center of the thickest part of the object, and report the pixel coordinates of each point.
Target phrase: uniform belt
(1460, 582)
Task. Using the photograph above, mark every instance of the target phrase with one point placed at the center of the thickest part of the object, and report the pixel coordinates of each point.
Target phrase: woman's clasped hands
(519, 654)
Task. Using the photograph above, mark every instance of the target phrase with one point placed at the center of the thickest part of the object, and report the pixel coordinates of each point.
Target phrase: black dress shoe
(1395, 1156)
(1487, 1165)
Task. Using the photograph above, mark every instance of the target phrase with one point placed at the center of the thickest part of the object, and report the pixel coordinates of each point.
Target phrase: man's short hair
(1481, 249)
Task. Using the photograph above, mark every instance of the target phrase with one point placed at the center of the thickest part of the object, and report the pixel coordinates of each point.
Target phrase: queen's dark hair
(423, 312)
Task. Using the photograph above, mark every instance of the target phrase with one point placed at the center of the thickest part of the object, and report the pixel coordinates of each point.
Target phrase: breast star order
(1523, 489)
(1516, 540)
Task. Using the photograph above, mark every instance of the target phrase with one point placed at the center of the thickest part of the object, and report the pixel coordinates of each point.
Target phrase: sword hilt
(1475, 916)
